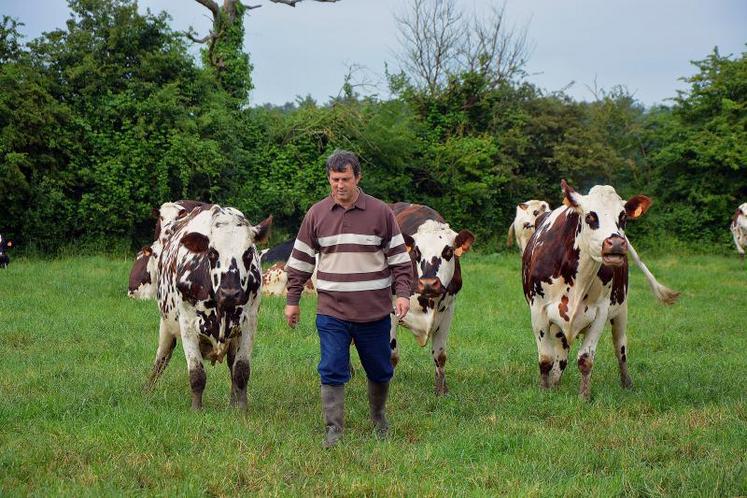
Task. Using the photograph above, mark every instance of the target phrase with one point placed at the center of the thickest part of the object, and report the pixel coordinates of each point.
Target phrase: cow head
(602, 218)
(435, 250)
(527, 212)
(144, 273)
(228, 246)
(740, 217)
(5, 244)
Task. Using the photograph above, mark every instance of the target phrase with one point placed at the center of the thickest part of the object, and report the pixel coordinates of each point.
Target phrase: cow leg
(166, 345)
(242, 363)
(393, 340)
(197, 376)
(231, 357)
(587, 352)
(620, 343)
(438, 343)
(552, 351)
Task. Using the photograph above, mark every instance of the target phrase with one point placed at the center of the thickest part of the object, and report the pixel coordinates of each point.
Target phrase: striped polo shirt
(360, 256)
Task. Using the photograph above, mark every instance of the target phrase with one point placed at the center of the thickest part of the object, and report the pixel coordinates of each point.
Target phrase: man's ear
(196, 242)
(636, 206)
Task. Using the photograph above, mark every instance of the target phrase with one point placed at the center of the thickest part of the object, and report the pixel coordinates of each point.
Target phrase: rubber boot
(377, 395)
(333, 405)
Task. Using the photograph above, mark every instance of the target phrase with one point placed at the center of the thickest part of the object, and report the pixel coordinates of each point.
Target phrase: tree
(439, 42)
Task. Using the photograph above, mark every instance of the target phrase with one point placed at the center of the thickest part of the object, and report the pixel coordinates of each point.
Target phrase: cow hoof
(442, 391)
(584, 396)
(627, 383)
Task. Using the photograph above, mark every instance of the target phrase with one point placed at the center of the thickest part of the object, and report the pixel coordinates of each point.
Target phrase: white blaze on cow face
(603, 215)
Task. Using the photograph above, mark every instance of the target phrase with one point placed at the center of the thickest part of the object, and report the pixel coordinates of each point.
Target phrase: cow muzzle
(430, 287)
(614, 250)
(229, 297)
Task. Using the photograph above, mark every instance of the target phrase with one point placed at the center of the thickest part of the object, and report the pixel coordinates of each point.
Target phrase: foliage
(110, 116)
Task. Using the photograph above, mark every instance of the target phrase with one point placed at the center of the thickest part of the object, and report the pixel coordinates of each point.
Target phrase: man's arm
(400, 264)
(299, 267)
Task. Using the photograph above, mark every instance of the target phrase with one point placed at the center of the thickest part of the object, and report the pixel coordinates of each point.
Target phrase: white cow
(523, 226)
(209, 278)
(739, 229)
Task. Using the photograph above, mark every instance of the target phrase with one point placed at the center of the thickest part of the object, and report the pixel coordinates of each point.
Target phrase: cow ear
(409, 242)
(570, 196)
(263, 230)
(545, 207)
(463, 242)
(636, 206)
(155, 213)
(147, 251)
(196, 242)
(523, 206)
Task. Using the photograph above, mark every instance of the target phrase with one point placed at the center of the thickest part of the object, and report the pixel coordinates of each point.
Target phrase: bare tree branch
(439, 42)
(293, 3)
(211, 5)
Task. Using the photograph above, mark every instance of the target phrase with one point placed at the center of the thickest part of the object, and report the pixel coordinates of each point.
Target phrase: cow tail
(510, 235)
(663, 294)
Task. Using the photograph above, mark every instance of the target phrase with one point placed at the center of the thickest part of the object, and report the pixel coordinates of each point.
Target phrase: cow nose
(228, 297)
(429, 286)
(614, 245)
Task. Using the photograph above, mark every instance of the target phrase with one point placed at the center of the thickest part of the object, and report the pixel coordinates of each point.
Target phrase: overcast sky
(645, 45)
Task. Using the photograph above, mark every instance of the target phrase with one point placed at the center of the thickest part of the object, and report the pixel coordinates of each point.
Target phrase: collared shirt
(359, 254)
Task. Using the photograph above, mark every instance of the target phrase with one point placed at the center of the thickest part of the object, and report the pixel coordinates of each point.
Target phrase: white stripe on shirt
(365, 285)
(299, 265)
(301, 246)
(349, 238)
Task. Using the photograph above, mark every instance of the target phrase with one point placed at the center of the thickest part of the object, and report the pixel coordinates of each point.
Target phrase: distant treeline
(110, 116)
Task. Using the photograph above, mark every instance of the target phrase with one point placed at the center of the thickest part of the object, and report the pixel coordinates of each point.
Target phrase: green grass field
(75, 420)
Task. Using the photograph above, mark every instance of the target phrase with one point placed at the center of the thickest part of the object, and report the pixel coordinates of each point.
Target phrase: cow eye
(592, 220)
(447, 253)
(535, 212)
(623, 219)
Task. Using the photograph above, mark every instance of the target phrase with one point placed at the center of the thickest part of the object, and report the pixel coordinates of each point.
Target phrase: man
(361, 258)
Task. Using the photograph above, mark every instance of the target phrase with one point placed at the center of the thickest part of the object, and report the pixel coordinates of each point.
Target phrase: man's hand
(292, 314)
(401, 307)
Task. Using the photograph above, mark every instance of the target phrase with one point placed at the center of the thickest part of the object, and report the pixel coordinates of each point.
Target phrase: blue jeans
(371, 341)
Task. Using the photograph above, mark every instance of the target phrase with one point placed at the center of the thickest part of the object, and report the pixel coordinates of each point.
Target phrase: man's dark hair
(339, 161)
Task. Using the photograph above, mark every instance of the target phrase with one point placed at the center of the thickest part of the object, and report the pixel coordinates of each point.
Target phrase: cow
(523, 225)
(739, 229)
(5, 244)
(143, 275)
(575, 280)
(209, 280)
(275, 279)
(435, 250)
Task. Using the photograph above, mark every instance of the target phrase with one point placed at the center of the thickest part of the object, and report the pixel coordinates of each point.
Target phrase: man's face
(344, 185)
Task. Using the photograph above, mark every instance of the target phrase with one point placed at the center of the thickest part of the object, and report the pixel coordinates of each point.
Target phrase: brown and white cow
(144, 272)
(575, 276)
(523, 226)
(209, 280)
(435, 250)
(739, 229)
